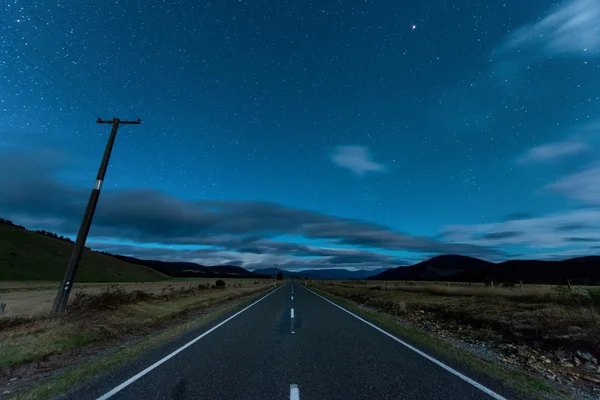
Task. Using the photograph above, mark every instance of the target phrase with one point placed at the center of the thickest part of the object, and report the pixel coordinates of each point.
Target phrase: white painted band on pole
(98, 184)
(294, 392)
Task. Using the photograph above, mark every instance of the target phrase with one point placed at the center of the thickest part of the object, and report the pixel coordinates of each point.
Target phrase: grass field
(549, 314)
(26, 299)
(30, 256)
(101, 316)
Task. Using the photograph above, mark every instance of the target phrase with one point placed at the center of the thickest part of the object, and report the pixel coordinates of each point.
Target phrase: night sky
(321, 134)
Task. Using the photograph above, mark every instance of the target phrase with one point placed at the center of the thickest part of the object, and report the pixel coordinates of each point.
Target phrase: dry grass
(103, 318)
(29, 299)
(550, 316)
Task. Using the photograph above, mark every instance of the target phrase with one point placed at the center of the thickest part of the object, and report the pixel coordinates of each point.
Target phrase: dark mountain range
(188, 269)
(330, 273)
(580, 271)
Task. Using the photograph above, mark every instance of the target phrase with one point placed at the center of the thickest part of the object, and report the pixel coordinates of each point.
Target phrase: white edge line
(294, 392)
(292, 312)
(419, 352)
(137, 376)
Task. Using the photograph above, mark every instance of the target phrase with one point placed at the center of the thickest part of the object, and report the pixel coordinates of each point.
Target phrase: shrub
(220, 284)
(110, 298)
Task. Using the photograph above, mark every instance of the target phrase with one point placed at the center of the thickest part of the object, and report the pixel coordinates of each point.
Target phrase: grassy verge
(29, 348)
(553, 318)
(516, 380)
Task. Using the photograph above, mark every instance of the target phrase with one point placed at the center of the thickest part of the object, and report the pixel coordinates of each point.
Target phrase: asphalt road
(322, 353)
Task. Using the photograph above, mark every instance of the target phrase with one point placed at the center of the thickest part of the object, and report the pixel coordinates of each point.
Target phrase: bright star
(414, 27)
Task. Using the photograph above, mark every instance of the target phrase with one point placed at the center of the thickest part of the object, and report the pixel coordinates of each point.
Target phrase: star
(414, 27)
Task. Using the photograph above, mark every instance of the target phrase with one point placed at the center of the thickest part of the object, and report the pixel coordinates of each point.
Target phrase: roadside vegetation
(552, 332)
(32, 347)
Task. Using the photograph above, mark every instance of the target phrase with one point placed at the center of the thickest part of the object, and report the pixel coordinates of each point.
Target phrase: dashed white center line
(292, 312)
(292, 297)
(294, 392)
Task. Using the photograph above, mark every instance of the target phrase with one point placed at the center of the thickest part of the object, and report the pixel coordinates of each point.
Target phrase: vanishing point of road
(291, 343)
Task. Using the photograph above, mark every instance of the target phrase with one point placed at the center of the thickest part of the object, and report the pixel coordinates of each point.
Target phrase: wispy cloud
(583, 186)
(356, 159)
(571, 28)
(550, 231)
(151, 217)
(553, 151)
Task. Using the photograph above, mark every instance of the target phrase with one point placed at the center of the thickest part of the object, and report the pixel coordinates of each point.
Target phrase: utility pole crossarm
(118, 121)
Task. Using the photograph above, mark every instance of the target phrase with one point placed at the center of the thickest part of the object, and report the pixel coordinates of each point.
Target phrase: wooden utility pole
(62, 297)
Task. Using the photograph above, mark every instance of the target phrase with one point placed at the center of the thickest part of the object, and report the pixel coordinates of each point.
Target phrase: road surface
(290, 344)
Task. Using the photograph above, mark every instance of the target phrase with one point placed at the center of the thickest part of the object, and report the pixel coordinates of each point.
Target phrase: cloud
(544, 232)
(583, 186)
(356, 159)
(569, 29)
(248, 227)
(501, 235)
(516, 82)
(553, 151)
(333, 258)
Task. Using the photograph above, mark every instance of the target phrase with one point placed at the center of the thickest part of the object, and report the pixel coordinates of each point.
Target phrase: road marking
(134, 378)
(292, 297)
(454, 372)
(292, 312)
(294, 392)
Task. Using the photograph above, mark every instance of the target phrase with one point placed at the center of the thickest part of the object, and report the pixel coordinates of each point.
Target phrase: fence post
(569, 284)
(492, 284)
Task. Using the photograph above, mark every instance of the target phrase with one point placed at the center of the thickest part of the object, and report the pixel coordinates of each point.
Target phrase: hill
(329, 273)
(579, 271)
(436, 268)
(193, 270)
(26, 255)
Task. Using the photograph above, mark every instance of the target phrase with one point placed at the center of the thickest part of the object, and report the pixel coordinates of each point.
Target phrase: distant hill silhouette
(580, 271)
(329, 273)
(189, 269)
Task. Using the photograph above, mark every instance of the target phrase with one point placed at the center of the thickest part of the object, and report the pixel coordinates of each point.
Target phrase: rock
(590, 367)
(521, 351)
(13, 379)
(6, 392)
(567, 364)
(590, 378)
(550, 377)
(584, 355)
(560, 354)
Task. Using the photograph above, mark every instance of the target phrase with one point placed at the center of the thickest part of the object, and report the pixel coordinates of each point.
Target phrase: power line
(16, 34)
(80, 59)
